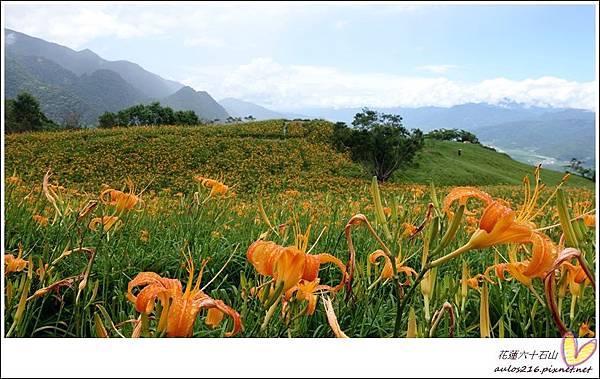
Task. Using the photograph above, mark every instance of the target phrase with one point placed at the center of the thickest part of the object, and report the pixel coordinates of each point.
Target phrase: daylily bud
(99, 326)
(412, 324)
(484, 312)
(379, 211)
(463, 286)
(427, 287)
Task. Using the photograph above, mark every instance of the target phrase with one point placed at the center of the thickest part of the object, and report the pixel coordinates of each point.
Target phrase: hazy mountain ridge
(86, 62)
(55, 101)
(63, 94)
(68, 82)
(198, 101)
(562, 138)
(240, 108)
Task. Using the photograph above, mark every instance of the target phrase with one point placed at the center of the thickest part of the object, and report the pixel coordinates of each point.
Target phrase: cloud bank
(288, 87)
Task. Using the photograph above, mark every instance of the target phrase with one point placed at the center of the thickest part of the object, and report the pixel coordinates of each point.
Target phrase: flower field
(223, 240)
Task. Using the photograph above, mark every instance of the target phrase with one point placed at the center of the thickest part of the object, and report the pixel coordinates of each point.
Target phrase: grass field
(293, 190)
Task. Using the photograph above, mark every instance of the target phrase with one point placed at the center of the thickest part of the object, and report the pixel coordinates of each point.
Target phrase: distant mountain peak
(200, 102)
(186, 90)
(242, 108)
(509, 103)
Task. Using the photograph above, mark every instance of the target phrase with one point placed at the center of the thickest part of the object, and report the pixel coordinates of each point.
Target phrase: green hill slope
(250, 157)
(439, 162)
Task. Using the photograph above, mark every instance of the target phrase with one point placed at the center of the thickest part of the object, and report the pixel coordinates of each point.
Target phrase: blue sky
(289, 56)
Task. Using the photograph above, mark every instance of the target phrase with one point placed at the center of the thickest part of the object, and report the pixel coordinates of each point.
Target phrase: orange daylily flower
(542, 258)
(43, 221)
(573, 274)
(289, 267)
(106, 221)
(387, 271)
(463, 194)
(179, 308)
(14, 179)
(537, 266)
(585, 331)
(409, 229)
(589, 220)
(499, 224)
(306, 290)
(216, 187)
(575, 277)
(119, 199)
(582, 211)
(295, 265)
(475, 280)
(14, 264)
(291, 193)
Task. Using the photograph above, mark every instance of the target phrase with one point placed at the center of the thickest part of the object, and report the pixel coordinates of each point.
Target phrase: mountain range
(81, 83)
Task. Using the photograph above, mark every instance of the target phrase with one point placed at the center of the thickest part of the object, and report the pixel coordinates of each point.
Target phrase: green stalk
(402, 303)
(565, 219)
(379, 209)
(451, 231)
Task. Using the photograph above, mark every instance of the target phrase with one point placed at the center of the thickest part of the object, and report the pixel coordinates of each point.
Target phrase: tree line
(25, 114)
(152, 114)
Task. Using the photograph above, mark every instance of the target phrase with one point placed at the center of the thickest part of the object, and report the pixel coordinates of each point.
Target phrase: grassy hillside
(251, 157)
(439, 161)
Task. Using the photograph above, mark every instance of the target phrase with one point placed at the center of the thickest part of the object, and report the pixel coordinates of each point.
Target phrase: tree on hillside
(233, 120)
(576, 167)
(186, 118)
(453, 135)
(107, 120)
(24, 114)
(379, 141)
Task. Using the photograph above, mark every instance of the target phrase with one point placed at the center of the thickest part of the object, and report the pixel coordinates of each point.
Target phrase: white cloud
(204, 41)
(76, 24)
(272, 84)
(437, 69)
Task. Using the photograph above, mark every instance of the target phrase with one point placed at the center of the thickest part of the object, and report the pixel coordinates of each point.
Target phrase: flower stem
(402, 302)
(450, 256)
(269, 315)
